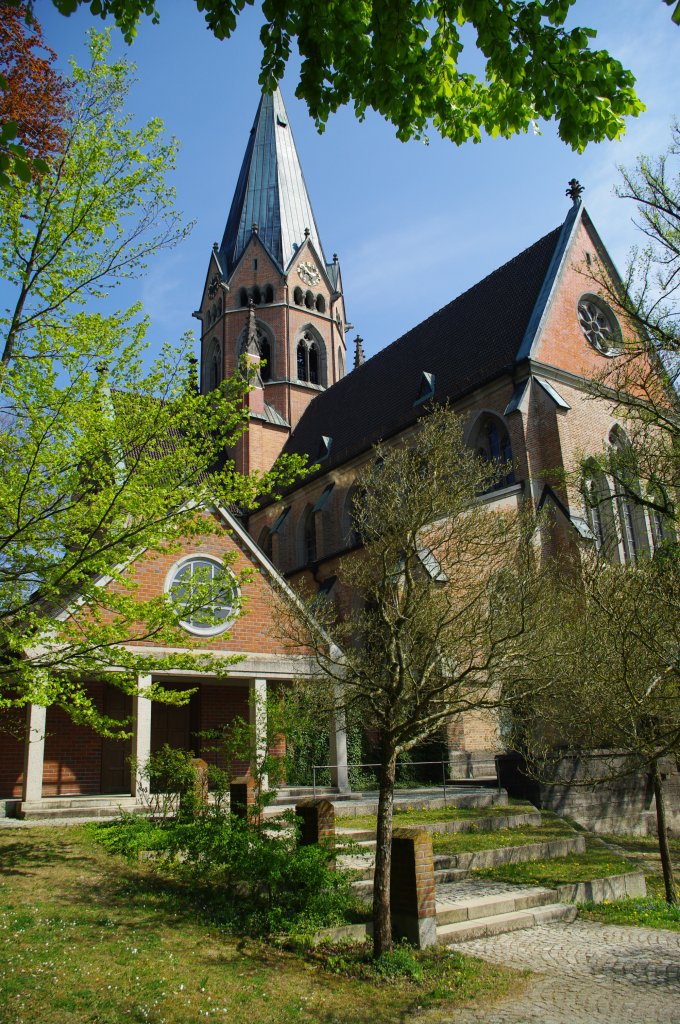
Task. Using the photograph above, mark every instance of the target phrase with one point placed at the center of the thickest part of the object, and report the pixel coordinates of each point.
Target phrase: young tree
(404, 61)
(32, 97)
(643, 379)
(608, 678)
(101, 458)
(446, 596)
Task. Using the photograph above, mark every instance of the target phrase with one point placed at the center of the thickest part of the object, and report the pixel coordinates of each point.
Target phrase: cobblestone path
(586, 973)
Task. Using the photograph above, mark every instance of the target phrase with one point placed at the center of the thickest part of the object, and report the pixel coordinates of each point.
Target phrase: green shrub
(259, 879)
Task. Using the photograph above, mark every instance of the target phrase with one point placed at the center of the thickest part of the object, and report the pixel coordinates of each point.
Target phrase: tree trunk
(664, 850)
(382, 922)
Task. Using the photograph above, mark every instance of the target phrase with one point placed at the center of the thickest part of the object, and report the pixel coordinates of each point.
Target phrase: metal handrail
(355, 764)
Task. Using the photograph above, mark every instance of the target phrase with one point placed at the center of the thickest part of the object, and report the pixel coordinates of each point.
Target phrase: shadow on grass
(22, 858)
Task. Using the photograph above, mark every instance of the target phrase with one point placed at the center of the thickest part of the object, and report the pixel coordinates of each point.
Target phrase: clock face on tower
(308, 273)
(213, 286)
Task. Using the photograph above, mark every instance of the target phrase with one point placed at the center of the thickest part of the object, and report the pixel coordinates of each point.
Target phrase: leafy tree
(643, 380)
(32, 97)
(447, 596)
(607, 678)
(101, 458)
(406, 62)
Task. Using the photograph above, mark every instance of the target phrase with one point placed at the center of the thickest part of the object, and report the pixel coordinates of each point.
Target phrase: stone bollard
(412, 887)
(318, 821)
(242, 798)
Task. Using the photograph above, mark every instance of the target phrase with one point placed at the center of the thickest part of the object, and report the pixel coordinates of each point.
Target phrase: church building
(512, 355)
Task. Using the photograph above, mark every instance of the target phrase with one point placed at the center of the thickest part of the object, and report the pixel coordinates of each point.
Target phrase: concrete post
(141, 738)
(34, 755)
(258, 719)
(339, 773)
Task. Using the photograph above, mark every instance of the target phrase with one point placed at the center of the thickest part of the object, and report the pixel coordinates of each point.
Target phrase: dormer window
(426, 389)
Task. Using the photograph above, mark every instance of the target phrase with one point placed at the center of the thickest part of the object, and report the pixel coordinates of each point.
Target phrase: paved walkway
(586, 973)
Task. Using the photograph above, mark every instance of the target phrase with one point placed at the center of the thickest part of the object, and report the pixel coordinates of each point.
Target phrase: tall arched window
(265, 355)
(269, 294)
(213, 370)
(321, 304)
(311, 361)
(341, 364)
(243, 297)
(600, 513)
(256, 295)
(492, 443)
(313, 353)
(302, 361)
(298, 296)
(309, 536)
(266, 542)
(630, 509)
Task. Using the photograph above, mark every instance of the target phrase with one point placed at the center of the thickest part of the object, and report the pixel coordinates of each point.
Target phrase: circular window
(207, 591)
(599, 325)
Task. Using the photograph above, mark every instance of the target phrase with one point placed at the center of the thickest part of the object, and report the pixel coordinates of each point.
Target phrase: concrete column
(141, 737)
(339, 771)
(34, 755)
(258, 720)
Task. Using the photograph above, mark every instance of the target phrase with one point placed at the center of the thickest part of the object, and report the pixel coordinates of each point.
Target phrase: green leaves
(403, 61)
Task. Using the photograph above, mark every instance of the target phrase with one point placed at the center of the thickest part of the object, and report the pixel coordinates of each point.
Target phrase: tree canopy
(32, 97)
(104, 455)
(441, 594)
(412, 63)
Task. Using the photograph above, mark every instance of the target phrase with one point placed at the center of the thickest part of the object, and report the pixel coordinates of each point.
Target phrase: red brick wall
(12, 727)
(72, 754)
(220, 704)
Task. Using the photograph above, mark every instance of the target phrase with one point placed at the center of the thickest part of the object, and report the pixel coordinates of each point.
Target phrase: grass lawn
(597, 862)
(465, 842)
(430, 816)
(86, 937)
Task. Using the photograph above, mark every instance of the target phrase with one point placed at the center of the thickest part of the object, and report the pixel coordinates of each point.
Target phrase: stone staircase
(474, 910)
(468, 908)
(66, 807)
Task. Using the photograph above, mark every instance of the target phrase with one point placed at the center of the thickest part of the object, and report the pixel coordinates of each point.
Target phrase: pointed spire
(359, 355)
(271, 191)
(251, 345)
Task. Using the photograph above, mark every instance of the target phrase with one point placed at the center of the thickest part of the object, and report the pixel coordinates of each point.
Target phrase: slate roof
(270, 192)
(466, 344)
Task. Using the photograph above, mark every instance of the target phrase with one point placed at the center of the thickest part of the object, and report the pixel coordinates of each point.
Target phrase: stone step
(495, 904)
(496, 924)
(54, 808)
(493, 823)
(549, 849)
(367, 803)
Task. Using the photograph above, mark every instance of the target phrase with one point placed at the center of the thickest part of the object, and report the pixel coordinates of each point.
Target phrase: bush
(260, 880)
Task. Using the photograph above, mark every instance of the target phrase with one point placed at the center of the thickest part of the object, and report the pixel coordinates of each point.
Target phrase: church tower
(270, 293)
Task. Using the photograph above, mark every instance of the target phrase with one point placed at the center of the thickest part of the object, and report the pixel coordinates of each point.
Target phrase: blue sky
(414, 225)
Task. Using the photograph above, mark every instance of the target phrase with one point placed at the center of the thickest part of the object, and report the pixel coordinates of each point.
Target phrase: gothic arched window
(630, 509)
(256, 295)
(298, 296)
(341, 364)
(213, 369)
(309, 300)
(302, 361)
(265, 355)
(492, 443)
(313, 353)
(243, 297)
(320, 304)
(269, 294)
(309, 536)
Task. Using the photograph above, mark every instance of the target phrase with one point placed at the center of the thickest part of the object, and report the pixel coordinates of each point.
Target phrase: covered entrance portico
(93, 769)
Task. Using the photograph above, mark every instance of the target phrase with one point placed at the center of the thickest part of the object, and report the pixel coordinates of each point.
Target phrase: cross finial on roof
(359, 355)
(215, 246)
(574, 190)
(306, 232)
(335, 257)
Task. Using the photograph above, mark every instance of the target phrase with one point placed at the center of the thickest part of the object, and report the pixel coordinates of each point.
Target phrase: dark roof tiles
(466, 344)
